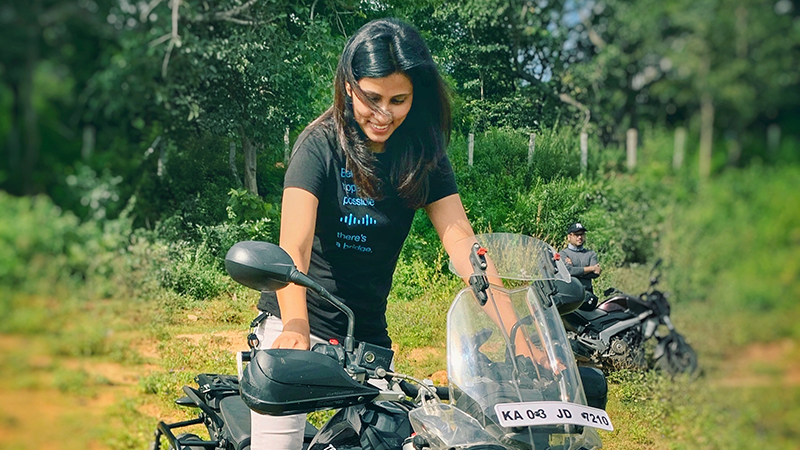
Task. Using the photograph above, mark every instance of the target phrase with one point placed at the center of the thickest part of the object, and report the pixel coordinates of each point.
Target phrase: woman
(358, 174)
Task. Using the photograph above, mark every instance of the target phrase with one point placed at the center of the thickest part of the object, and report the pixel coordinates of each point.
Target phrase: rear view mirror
(267, 267)
(259, 265)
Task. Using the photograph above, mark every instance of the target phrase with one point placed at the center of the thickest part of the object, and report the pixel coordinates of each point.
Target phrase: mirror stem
(303, 280)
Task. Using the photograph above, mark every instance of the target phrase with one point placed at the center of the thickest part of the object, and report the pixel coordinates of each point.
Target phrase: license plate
(551, 413)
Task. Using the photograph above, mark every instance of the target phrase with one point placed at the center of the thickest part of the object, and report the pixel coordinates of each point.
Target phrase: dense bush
(735, 240)
(40, 244)
(197, 252)
(195, 182)
(501, 192)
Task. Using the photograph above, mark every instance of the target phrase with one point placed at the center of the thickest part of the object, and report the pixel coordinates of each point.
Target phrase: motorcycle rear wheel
(678, 356)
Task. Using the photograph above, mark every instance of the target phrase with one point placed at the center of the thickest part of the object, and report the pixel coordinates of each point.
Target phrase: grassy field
(99, 375)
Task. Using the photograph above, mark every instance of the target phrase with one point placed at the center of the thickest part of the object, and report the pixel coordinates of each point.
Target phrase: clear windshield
(515, 257)
(514, 349)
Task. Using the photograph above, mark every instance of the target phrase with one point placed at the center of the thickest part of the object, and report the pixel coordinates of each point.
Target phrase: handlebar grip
(412, 390)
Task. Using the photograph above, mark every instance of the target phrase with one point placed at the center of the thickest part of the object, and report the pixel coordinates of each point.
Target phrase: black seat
(237, 420)
(591, 315)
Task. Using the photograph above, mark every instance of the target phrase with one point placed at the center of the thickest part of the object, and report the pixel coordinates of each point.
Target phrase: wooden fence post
(680, 148)
(706, 135)
(531, 148)
(471, 149)
(773, 138)
(632, 141)
(734, 151)
(584, 151)
(287, 151)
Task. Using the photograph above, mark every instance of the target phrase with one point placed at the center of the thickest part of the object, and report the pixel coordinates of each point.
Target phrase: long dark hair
(378, 49)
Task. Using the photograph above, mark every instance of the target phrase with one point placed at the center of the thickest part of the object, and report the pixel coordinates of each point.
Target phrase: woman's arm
(450, 220)
(298, 220)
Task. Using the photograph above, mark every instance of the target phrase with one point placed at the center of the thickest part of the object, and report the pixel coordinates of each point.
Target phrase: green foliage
(735, 240)
(197, 253)
(649, 409)
(500, 172)
(194, 271)
(244, 206)
(38, 241)
(502, 193)
(95, 197)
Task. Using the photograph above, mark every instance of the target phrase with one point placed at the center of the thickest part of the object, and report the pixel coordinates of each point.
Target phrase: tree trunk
(162, 161)
(14, 143)
(531, 148)
(470, 149)
(249, 151)
(89, 139)
(30, 120)
(631, 142)
(734, 151)
(773, 139)
(706, 134)
(584, 152)
(232, 164)
(287, 149)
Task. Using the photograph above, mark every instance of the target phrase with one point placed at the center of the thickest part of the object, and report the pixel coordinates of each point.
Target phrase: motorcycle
(612, 335)
(512, 379)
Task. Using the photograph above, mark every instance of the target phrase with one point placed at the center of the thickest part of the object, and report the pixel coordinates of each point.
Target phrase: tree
(507, 59)
(240, 70)
(50, 49)
(730, 61)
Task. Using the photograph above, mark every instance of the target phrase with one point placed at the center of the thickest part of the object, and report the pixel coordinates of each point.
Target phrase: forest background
(142, 139)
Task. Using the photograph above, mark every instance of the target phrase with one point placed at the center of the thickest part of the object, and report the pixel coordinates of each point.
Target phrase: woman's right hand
(295, 336)
(291, 340)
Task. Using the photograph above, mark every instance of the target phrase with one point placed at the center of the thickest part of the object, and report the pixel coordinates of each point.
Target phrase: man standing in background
(581, 262)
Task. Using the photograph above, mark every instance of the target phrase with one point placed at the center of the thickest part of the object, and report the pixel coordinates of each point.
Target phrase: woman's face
(393, 95)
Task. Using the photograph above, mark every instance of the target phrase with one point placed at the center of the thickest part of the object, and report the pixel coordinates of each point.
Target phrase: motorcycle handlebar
(412, 390)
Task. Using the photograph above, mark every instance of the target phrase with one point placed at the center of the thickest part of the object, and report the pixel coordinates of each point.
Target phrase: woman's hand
(295, 336)
(291, 340)
(545, 362)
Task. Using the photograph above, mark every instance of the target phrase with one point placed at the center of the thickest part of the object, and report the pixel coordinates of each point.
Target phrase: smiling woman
(388, 101)
(357, 175)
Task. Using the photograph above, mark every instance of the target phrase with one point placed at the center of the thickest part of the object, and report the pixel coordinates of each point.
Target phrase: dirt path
(52, 402)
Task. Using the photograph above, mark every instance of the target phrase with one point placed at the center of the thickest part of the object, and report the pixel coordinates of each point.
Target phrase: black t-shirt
(357, 241)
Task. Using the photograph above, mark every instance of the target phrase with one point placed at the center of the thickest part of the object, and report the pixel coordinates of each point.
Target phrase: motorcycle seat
(237, 420)
(591, 315)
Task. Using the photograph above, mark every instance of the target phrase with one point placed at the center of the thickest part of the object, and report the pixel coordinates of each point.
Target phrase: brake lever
(478, 281)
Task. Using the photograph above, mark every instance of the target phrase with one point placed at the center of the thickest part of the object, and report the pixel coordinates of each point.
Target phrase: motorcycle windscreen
(512, 257)
(514, 350)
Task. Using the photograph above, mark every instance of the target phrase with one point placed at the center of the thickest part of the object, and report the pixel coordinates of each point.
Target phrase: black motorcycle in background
(612, 336)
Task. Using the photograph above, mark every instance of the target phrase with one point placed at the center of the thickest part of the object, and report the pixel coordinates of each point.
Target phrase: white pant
(276, 432)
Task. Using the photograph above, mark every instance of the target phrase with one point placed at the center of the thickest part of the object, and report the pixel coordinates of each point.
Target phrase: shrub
(194, 271)
(736, 241)
(40, 244)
